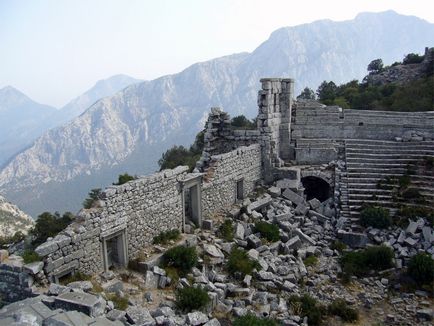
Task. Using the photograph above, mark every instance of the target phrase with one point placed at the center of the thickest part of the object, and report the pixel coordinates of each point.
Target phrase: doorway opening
(115, 250)
(240, 190)
(192, 210)
(315, 187)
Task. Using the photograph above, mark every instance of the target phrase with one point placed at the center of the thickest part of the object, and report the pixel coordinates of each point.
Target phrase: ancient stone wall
(219, 189)
(319, 132)
(141, 208)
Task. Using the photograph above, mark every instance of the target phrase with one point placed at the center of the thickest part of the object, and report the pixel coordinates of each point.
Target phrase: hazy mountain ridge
(22, 120)
(130, 129)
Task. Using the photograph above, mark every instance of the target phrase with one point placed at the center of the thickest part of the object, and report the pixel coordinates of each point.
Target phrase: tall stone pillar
(274, 122)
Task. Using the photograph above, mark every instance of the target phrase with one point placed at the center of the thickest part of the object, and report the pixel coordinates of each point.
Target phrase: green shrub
(376, 217)
(8, 240)
(226, 230)
(191, 298)
(311, 260)
(77, 276)
(360, 262)
(267, 230)
(421, 268)
(310, 308)
(379, 257)
(181, 257)
(338, 245)
(340, 308)
(413, 58)
(240, 262)
(124, 178)
(241, 122)
(93, 196)
(165, 237)
(49, 225)
(252, 320)
(30, 256)
(411, 194)
(119, 302)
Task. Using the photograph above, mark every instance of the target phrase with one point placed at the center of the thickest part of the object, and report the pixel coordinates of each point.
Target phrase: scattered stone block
(293, 197)
(412, 227)
(314, 203)
(428, 234)
(305, 237)
(113, 286)
(33, 268)
(197, 318)
(46, 248)
(207, 225)
(275, 191)
(139, 316)
(83, 302)
(353, 239)
(301, 209)
(410, 241)
(151, 280)
(213, 251)
(239, 231)
(253, 241)
(81, 285)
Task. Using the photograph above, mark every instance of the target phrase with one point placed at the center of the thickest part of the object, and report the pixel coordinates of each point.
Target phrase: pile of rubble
(306, 228)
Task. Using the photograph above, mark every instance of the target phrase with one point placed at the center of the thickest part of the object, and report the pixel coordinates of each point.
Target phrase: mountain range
(22, 120)
(128, 131)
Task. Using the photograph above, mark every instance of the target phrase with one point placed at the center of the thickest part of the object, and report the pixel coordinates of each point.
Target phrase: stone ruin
(317, 152)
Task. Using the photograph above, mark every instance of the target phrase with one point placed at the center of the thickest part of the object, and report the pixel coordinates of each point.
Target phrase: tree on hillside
(375, 66)
(241, 122)
(327, 92)
(48, 225)
(306, 94)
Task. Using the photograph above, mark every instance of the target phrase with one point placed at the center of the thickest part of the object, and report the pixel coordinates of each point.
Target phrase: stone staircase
(369, 161)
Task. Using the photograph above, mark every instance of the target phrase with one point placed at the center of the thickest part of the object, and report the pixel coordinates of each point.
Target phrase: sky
(54, 50)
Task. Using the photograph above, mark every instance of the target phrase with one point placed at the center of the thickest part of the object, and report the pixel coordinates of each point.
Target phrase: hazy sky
(53, 50)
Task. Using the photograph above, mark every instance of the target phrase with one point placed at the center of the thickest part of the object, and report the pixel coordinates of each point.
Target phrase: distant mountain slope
(102, 88)
(130, 130)
(12, 219)
(20, 121)
(23, 120)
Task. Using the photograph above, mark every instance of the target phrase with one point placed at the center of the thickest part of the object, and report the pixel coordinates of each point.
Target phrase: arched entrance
(315, 187)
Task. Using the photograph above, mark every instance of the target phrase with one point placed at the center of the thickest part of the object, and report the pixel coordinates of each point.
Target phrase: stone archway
(315, 187)
(317, 184)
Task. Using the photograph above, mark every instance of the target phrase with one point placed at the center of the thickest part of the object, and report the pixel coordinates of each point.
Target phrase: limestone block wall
(141, 208)
(220, 179)
(338, 124)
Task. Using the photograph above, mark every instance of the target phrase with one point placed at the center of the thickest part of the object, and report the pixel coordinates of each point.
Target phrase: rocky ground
(306, 229)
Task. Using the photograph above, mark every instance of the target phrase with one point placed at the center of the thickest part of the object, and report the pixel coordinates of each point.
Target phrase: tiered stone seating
(369, 161)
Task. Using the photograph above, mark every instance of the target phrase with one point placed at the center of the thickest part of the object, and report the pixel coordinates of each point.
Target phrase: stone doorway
(315, 187)
(192, 200)
(239, 190)
(114, 250)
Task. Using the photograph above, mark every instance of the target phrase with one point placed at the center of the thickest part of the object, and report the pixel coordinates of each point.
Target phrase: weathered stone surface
(353, 239)
(213, 251)
(82, 302)
(412, 227)
(139, 316)
(33, 268)
(81, 285)
(113, 286)
(151, 280)
(293, 197)
(196, 318)
(46, 248)
(239, 231)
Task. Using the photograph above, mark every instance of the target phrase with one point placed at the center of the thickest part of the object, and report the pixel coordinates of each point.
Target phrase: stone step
(380, 150)
(379, 160)
(373, 142)
(380, 176)
(386, 156)
(357, 196)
